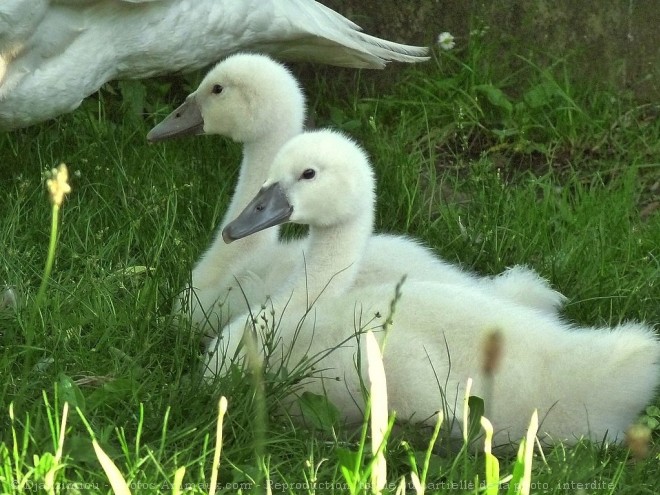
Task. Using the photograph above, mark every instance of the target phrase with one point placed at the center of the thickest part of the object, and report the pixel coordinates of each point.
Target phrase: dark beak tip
(227, 237)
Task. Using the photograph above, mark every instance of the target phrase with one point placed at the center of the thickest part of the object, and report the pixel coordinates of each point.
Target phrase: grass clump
(490, 170)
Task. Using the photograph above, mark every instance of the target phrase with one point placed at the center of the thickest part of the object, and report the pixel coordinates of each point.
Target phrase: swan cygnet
(256, 101)
(55, 53)
(584, 382)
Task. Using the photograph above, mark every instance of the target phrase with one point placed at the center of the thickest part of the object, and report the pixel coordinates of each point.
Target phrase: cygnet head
(245, 97)
(320, 178)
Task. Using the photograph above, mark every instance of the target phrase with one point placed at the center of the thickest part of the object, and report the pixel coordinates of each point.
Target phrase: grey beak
(269, 207)
(186, 120)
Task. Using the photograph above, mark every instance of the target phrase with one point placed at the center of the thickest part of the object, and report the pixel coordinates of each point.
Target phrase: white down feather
(585, 382)
(55, 53)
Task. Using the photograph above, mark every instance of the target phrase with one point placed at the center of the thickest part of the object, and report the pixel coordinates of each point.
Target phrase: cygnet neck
(255, 165)
(332, 260)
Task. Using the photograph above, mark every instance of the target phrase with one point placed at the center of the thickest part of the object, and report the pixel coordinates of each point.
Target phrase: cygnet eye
(217, 89)
(308, 174)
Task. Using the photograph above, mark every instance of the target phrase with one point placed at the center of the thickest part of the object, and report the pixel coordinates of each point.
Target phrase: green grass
(489, 169)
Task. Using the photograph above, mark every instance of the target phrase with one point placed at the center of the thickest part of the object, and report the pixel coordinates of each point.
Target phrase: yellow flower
(58, 184)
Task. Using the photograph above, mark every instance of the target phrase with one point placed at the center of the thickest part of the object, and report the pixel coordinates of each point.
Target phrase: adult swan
(54, 53)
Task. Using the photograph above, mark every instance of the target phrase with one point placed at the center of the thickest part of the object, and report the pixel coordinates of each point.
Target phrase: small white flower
(446, 41)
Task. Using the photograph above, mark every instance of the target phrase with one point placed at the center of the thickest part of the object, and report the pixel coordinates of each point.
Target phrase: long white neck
(221, 258)
(332, 260)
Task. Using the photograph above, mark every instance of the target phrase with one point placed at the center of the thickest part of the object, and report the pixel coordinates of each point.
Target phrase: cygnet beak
(186, 120)
(269, 207)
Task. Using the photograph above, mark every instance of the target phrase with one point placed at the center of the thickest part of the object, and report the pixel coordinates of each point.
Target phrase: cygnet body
(584, 382)
(256, 101)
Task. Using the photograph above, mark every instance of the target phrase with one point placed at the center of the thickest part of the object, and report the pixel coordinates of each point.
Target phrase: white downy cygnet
(584, 382)
(256, 101)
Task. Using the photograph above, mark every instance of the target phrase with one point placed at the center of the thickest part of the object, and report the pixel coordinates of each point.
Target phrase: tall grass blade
(222, 409)
(466, 411)
(401, 487)
(420, 483)
(379, 416)
(178, 480)
(117, 481)
(492, 464)
(522, 470)
(529, 451)
(416, 483)
(49, 479)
